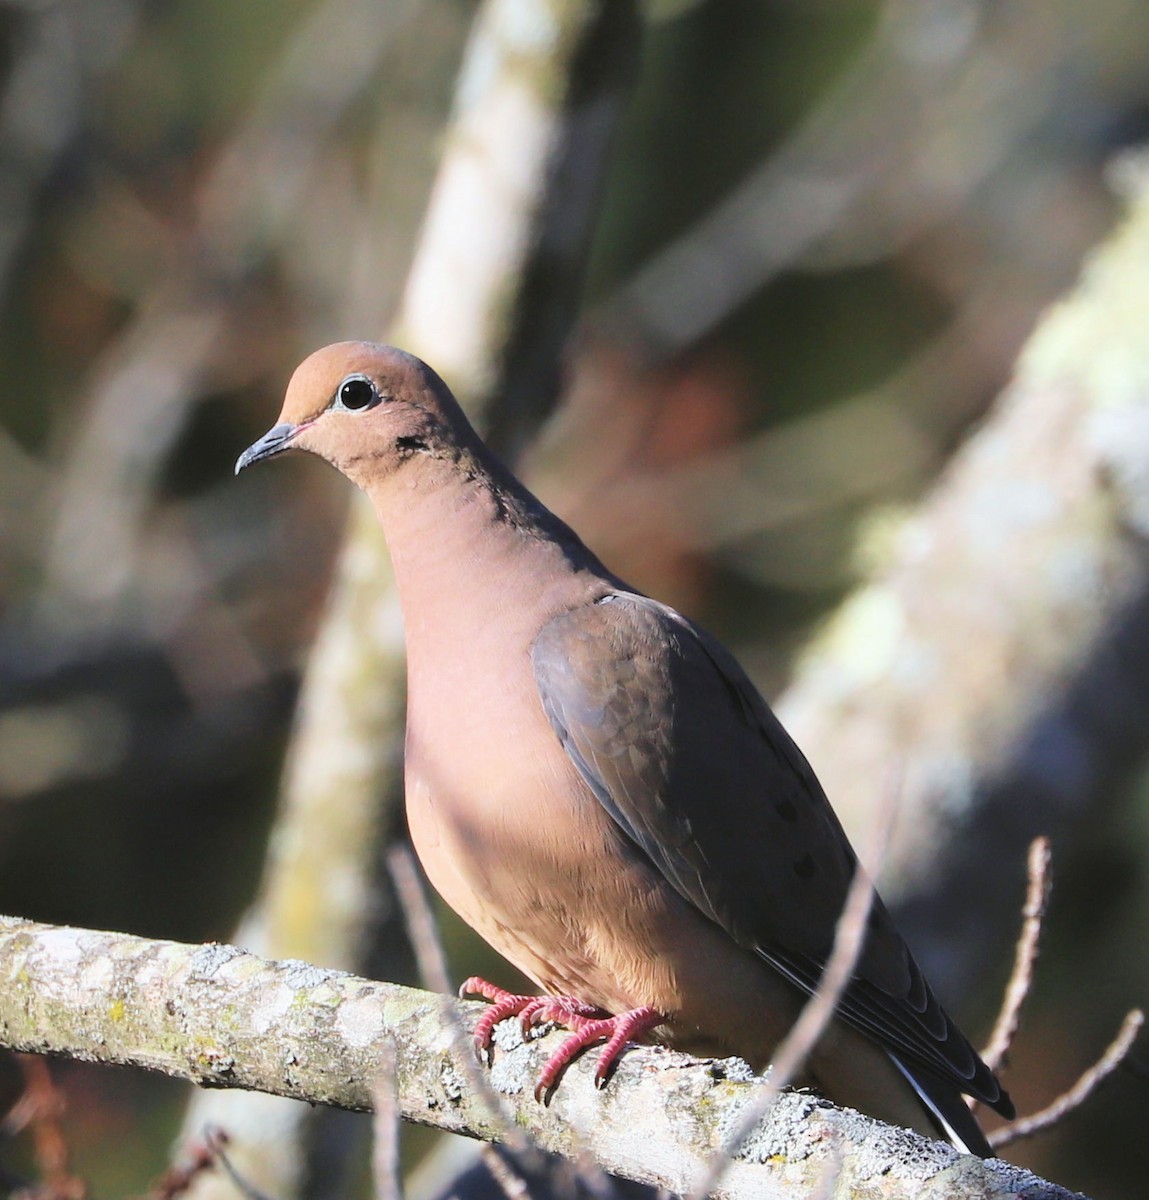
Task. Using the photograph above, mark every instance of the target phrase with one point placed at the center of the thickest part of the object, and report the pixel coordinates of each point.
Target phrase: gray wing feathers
(678, 746)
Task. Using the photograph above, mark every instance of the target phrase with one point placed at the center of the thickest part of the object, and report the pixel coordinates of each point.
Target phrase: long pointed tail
(948, 1109)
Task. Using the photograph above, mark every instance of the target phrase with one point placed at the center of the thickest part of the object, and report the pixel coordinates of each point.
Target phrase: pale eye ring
(356, 394)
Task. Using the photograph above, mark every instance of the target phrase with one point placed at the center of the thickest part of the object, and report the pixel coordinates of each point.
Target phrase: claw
(477, 986)
(585, 1031)
(503, 1004)
(586, 1023)
(560, 1010)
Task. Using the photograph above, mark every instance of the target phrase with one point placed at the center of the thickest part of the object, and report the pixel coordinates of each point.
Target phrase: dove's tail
(948, 1108)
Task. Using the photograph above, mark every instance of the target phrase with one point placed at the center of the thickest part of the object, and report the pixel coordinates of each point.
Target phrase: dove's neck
(472, 548)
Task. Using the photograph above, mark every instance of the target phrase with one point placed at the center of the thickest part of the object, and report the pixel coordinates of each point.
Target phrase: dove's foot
(586, 1023)
(503, 1004)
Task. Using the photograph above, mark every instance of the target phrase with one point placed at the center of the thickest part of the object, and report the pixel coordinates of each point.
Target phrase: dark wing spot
(805, 868)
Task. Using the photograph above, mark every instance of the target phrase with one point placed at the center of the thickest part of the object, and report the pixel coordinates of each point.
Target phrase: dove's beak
(277, 439)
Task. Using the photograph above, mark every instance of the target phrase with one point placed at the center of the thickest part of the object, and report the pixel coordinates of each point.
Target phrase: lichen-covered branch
(977, 656)
(224, 1018)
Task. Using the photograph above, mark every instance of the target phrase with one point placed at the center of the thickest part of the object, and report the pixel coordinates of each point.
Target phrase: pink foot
(586, 1023)
(503, 1004)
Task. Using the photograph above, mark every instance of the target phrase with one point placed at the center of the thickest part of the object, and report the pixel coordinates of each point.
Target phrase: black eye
(356, 393)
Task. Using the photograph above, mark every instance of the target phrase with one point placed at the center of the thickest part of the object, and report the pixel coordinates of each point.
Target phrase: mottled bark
(224, 1018)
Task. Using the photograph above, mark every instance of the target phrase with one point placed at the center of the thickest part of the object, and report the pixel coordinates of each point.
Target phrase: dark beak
(274, 441)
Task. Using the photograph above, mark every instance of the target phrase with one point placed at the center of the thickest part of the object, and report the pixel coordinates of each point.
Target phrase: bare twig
(1075, 1096)
(510, 1182)
(815, 1017)
(385, 1168)
(1028, 945)
(199, 1155)
(216, 1140)
(422, 927)
(423, 930)
(39, 1110)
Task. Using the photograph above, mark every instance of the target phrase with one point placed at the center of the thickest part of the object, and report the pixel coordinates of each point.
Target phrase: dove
(596, 787)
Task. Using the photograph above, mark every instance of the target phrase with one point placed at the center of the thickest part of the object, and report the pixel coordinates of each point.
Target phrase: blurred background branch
(169, 351)
(898, 142)
(1008, 583)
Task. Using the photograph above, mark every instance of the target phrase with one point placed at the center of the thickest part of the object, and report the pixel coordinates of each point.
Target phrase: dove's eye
(356, 393)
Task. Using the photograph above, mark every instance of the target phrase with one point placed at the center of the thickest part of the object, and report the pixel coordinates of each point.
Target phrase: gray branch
(220, 1017)
(1007, 629)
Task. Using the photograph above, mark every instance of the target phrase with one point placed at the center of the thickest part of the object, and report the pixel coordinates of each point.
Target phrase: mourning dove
(596, 787)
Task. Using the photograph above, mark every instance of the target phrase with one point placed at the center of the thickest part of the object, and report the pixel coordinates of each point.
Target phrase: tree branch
(1005, 1027)
(220, 1017)
(1013, 596)
(1087, 1083)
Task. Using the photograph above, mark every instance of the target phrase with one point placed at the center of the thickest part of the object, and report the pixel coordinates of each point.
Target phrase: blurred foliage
(194, 194)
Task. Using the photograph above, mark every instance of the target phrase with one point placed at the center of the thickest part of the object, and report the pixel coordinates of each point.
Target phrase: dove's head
(366, 409)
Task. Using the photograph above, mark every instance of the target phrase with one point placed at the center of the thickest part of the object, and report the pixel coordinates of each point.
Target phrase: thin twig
(423, 930)
(216, 1139)
(422, 927)
(1086, 1085)
(198, 1156)
(828, 1177)
(39, 1110)
(792, 1052)
(385, 1169)
(1028, 946)
(511, 1182)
